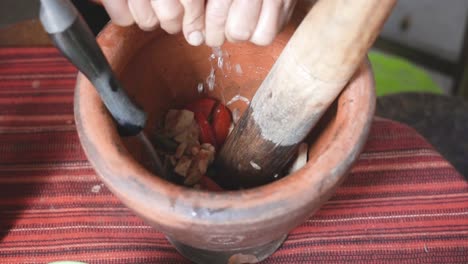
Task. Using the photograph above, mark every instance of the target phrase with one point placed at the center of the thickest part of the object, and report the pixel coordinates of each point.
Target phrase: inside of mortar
(167, 72)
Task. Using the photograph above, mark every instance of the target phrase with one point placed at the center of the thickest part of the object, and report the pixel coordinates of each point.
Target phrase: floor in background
(442, 120)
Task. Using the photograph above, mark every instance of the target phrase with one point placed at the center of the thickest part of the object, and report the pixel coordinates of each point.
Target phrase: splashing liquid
(220, 62)
(156, 163)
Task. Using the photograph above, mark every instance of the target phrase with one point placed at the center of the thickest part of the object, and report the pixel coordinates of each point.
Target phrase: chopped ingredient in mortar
(190, 137)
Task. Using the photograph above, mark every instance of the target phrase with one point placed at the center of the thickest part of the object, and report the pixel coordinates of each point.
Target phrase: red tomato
(206, 131)
(221, 123)
(209, 185)
(203, 105)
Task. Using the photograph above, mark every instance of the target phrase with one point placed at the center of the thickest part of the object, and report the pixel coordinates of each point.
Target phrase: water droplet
(210, 80)
(200, 87)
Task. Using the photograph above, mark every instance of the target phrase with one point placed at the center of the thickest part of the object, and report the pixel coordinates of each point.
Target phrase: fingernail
(195, 38)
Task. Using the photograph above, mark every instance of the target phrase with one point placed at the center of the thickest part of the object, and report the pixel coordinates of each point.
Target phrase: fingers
(193, 21)
(169, 13)
(215, 21)
(242, 19)
(237, 20)
(268, 24)
(118, 12)
(143, 14)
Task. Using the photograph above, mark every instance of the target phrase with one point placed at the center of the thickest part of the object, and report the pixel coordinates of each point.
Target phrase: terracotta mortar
(161, 71)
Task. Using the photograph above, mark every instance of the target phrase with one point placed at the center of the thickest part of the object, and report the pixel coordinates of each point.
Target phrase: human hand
(257, 21)
(169, 14)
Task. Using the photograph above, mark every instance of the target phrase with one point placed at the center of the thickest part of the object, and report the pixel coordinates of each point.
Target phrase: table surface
(401, 203)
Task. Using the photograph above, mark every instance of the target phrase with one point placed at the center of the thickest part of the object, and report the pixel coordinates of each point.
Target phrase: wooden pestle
(316, 64)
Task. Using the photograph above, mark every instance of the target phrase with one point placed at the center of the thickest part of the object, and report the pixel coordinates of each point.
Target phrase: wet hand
(257, 21)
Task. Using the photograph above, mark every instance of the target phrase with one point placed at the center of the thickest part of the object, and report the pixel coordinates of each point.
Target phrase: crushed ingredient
(301, 158)
(190, 137)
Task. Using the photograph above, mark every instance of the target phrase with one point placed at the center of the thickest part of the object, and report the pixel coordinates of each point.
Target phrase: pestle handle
(72, 36)
(316, 64)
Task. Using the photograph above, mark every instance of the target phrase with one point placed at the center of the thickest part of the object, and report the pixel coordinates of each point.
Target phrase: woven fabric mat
(401, 203)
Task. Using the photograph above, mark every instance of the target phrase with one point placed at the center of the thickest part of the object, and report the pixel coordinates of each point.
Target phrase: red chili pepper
(206, 131)
(221, 123)
(209, 185)
(203, 105)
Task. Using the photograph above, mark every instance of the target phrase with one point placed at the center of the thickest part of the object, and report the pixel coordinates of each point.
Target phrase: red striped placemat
(402, 202)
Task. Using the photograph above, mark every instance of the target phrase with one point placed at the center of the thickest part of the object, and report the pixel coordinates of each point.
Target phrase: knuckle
(167, 11)
(191, 21)
(218, 10)
(216, 19)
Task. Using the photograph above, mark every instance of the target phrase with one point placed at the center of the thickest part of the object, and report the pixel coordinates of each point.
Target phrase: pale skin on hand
(211, 22)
